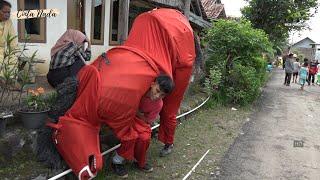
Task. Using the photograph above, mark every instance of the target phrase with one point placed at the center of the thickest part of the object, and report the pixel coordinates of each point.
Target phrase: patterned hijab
(70, 35)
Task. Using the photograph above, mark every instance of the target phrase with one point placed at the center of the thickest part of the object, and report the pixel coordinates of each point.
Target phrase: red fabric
(150, 109)
(78, 134)
(76, 142)
(171, 104)
(137, 149)
(313, 69)
(159, 41)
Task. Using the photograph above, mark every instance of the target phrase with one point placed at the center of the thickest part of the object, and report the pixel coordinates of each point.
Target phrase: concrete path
(286, 118)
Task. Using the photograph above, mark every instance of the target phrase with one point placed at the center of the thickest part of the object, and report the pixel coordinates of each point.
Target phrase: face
(155, 92)
(5, 13)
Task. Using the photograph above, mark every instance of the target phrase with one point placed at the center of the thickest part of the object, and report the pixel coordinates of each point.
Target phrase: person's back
(296, 66)
(303, 73)
(289, 65)
(313, 68)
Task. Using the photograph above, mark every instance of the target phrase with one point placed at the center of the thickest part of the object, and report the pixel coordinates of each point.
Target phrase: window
(97, 22)
(114, 23)
(194, 7)
(34, 28)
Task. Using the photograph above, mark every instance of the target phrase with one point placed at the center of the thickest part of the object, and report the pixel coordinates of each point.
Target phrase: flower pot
(33, 120)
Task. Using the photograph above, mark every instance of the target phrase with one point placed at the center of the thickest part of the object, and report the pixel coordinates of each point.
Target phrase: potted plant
(13, 78)
(34, 110)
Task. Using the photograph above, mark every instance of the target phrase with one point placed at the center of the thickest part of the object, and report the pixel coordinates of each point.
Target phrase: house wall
(56, 26)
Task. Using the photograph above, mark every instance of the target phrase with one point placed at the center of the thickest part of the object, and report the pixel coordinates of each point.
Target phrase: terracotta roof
(213, 10)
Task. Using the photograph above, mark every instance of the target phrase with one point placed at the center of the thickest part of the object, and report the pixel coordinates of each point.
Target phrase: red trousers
(139, 146)
(171, 104)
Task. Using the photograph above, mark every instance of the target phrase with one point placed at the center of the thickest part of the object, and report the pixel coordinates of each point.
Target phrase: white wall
(56, 26)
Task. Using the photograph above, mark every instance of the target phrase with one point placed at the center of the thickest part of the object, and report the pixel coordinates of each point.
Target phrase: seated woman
(68, 56)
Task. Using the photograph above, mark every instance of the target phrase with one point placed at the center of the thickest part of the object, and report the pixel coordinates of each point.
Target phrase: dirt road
(286, 118)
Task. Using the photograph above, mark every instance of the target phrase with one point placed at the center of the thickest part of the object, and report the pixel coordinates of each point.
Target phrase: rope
(117, 146)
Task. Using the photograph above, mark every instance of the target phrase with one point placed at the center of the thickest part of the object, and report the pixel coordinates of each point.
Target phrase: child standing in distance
(304, 71)
(296, 67)
(149, 108)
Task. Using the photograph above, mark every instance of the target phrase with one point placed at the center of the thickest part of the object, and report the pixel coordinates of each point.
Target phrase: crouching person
(149, 109)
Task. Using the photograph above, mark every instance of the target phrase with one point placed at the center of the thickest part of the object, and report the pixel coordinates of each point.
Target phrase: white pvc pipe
(117, 146)
(194, 167)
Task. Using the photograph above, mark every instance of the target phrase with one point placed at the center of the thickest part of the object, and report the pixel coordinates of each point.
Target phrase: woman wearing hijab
(68, 56)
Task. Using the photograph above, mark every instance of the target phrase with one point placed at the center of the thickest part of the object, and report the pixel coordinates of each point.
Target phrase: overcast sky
(232, 8)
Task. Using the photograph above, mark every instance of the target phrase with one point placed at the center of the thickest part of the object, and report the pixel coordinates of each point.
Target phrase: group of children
(307, 71)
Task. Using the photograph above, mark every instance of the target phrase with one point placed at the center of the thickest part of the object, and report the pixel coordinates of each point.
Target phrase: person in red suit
(110, 90)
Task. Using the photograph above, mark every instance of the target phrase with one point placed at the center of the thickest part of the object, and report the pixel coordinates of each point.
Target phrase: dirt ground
(266, 150)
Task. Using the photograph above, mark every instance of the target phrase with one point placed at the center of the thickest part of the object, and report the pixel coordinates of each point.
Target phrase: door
(76, 15)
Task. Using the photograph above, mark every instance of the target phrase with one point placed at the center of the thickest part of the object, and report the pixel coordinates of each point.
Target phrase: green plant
(13, 77)
(36, 101)
(243, 85)
(237, 58)
(213, 80)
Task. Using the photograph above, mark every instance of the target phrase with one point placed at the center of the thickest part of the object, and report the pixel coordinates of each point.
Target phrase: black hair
(297, 59)
(165, 82)
(4, 3)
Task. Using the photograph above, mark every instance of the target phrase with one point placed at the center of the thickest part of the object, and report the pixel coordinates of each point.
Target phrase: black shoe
(146, 168)
(166, 150)
(120, 170)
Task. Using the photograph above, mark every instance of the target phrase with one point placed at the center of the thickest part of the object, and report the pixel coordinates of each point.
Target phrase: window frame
(42, 38)
(111, 42)
(97, 41)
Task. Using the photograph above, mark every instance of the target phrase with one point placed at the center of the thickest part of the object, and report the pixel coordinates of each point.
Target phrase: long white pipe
(194, 167)
(117, 146)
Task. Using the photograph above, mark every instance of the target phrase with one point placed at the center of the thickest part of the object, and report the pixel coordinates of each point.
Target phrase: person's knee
(145, 137)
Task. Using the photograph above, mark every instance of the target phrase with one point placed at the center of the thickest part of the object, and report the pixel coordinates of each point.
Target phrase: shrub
(237, 58)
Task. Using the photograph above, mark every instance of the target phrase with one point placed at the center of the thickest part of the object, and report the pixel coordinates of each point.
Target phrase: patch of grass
(213, 129)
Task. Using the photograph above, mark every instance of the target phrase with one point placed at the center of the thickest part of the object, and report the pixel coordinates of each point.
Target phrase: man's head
(5, 9)
(290, 55)
(297, 59)
(162, 86)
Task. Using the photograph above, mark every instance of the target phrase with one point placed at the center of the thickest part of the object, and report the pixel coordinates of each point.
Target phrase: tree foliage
(236, 52)
(277, 17)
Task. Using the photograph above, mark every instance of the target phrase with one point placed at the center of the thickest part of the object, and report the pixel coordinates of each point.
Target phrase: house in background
(309, 48)
(316, 51)
(105, 22)
(214, 9)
